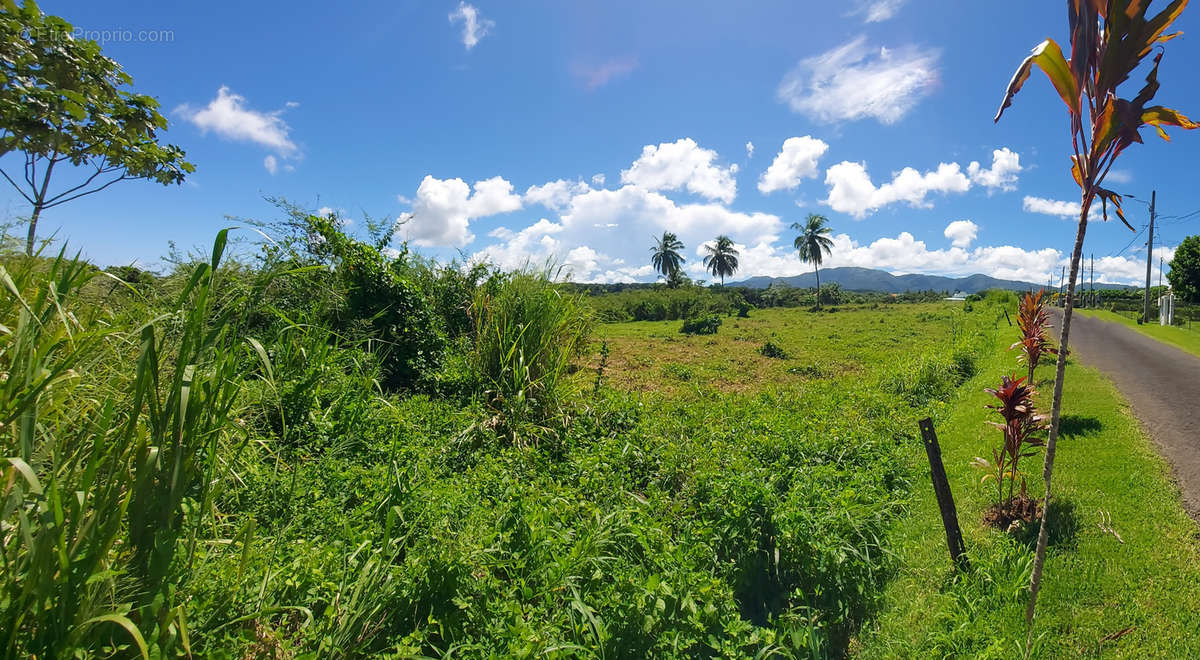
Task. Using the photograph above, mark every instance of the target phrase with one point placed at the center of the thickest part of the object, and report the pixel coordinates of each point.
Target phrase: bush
(663, 304)
(526, 334)
(385, 305)
(773, 350)
(705, 325)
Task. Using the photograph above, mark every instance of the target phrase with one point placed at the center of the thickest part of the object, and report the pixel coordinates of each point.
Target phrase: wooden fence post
(941, 488)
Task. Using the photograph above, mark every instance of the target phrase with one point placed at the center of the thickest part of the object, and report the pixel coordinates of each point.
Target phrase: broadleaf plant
(1022, 429)
(1110, 39)
(1033, 320)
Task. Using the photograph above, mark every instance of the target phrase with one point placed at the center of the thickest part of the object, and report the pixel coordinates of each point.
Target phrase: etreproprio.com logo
(105, 36)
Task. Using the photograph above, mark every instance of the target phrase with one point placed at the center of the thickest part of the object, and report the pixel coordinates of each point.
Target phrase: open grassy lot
(655, 356)
(1188, 340)
(1129, 592)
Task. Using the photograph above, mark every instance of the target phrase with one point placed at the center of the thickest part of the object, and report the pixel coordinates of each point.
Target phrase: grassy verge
(1182, 338)
(1103, 596)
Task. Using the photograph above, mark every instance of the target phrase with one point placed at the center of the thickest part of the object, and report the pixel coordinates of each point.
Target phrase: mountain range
(869, 279)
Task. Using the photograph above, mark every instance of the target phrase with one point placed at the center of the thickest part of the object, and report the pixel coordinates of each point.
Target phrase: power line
(1128, 245)
(1180, 218)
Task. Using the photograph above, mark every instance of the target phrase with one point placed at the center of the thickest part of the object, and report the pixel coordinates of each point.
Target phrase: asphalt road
(1162, 384)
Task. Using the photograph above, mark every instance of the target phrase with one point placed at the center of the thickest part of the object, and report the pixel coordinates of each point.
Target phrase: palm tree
(665, 256)
(722, 258)
(813, 239)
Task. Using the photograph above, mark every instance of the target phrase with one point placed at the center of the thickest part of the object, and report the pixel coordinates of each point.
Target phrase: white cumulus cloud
(682, 164)
(856, 81)
(749, 149)
(555, 195)
(796, 160)
(617, 228)
(1069, 210)
(228, 116)
(961, 233)
(443, 209)
(1002, 175)
(474, 26)
(851, 190)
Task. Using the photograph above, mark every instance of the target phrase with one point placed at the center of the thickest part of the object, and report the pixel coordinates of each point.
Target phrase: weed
(705, 325)
(773, 350)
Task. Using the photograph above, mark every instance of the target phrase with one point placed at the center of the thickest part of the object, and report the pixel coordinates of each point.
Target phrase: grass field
(655, 356)
(1188, 340)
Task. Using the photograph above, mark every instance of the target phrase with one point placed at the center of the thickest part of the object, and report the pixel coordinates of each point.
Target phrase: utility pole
(1160, 272)
(1062, 283)
(1149, 259)
(1092, 294)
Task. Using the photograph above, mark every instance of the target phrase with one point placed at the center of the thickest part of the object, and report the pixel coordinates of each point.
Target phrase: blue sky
(577, 131)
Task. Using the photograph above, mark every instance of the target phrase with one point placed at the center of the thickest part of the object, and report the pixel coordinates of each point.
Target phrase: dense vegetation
(326, 446)
(619, 303)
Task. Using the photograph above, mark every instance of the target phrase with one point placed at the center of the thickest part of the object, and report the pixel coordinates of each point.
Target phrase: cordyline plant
(1022, 429)
(1033, 320)
(1109, 40)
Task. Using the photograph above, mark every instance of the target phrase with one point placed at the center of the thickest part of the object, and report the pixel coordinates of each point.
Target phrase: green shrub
(704, 325)
(389, 308)
(678, 372)
(526, 334)
(773, 350)
(664, 304)
(1001, 297)
(808, 370)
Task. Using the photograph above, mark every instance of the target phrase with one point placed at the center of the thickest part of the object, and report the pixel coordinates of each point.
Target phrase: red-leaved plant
(1033, 320)
(1022, 427)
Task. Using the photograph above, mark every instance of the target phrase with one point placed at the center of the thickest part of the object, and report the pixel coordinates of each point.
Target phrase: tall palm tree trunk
(817, 272)
(1039, 560)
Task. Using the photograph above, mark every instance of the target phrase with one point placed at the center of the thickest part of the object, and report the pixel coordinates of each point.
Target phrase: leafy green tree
(665, 257)
(1185, 270)
(722, 258)
(1109, 41)
(678, 279)
(383, 303)
(62, 103)
(811, 242)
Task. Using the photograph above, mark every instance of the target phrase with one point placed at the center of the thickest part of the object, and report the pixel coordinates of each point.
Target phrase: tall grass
(526, 334)
(104, 485)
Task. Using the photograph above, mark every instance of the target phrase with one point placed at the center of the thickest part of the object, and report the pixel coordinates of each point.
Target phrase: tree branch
(86, 192)
(14, 185)
(99, 172)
